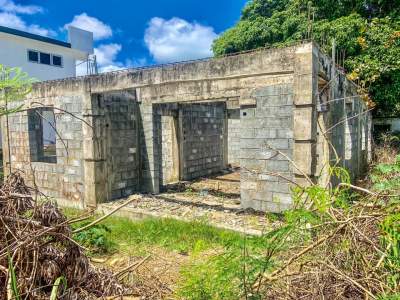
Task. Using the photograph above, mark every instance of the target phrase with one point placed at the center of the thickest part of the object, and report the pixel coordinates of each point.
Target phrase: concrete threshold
(136, 214)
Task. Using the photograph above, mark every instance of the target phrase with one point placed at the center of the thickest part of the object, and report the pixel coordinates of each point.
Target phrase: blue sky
(130, 33)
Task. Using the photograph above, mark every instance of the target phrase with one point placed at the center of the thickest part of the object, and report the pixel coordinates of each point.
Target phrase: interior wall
(190, 140)
(117, 132)
(203, 134)
(166, 129)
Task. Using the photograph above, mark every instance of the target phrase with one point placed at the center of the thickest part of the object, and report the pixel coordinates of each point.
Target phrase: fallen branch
(334, 269)
(357, 188)
(132, 267)
(107, 215)
(38, 237)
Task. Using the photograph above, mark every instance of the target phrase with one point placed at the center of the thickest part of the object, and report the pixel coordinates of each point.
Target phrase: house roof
(34, 37)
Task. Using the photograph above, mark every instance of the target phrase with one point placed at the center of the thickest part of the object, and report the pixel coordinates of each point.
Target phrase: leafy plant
(14, 85)
(386, 177)
(95, 238)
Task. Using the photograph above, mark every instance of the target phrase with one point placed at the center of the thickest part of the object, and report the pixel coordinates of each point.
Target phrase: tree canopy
(367, 31)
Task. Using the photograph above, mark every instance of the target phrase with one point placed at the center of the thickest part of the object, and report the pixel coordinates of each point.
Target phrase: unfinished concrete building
(281, 115)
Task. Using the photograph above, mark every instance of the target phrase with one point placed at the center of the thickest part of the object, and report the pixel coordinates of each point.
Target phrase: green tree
(14, 85)
(367, 31)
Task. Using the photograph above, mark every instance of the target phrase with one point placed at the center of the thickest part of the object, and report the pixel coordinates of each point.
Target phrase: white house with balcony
(44, 58)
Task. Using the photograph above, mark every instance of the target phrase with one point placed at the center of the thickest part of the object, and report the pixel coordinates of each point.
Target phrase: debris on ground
(38, 250)
(214, 199)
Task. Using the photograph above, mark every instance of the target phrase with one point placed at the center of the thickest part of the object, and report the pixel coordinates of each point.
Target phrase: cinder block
(282, 198)
(248, 185)
(277, 165)
(278, 144)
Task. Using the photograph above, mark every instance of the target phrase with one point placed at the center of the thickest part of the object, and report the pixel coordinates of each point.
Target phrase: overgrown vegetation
(215, 255)
(338, 243)
(367, 33)
(184, 237)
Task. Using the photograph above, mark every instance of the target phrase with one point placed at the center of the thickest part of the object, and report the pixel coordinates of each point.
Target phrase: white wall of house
(14, 53)
(393, 123)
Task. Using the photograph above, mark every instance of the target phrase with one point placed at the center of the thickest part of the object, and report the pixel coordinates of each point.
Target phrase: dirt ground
(155, 274)
(221, 189)
(214, 200)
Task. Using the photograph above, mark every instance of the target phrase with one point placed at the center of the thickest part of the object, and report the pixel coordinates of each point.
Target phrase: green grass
(170, 234)
(206, 276)
(386, 177)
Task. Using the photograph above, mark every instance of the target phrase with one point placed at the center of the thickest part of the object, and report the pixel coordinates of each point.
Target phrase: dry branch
(38, 237)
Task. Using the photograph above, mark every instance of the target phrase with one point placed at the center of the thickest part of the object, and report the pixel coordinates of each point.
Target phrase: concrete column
(149, 153)
(305, 116)
(93, 154)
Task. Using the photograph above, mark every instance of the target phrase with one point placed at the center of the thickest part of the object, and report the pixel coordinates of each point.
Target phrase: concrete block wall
(266, 133)
(202, 139)
(356, 151)
(344, 131)
(382, 125)
(118, 139)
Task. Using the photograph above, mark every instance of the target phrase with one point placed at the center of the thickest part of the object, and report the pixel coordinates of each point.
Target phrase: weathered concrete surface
(263, 110)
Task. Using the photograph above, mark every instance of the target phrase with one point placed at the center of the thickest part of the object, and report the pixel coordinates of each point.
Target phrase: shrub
(96, 239)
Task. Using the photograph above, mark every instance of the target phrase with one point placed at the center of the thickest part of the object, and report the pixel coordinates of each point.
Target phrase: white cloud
(177, 39)
(100, 30)
(107, 60)
(107, 53)
(12, 20)
(106, 56)
(10, 6)
(9, 17)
